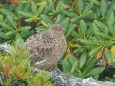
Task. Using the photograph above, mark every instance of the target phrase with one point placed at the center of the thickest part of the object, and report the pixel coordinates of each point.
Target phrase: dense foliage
(89, 30)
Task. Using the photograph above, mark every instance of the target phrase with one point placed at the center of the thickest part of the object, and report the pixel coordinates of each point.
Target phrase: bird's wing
(41, 46)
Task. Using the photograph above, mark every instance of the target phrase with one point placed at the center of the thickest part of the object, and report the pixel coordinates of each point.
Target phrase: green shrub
(15, 69)
(83, 67)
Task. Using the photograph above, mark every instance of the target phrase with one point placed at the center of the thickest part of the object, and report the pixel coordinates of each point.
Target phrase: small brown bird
(47, 47)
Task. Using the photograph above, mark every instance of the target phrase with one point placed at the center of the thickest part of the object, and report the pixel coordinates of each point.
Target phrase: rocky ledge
(68, 80)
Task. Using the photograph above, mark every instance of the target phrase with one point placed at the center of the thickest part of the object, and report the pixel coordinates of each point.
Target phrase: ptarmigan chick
(47, 47)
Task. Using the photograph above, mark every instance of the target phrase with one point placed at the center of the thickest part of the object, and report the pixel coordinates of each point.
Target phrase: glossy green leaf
(34, 7)
(46, 19)
(70, 13)
(108, 56)
(90, 31)
(25, 14)
(51, 4)
(97, 70)
(71, 28)
(27, 7)
(88, 42)
(58, 19)
(6, 11)
(95, 30)
(1, 17)
(82, 60)
(111, 8)
(83, 27)
(2, 35)
(103, 9)
(29, 20)
(18, 38)
(102, 26)
(111, 29)
(65, 24)
(66, 66)
(59, 7)
(75, 19)
(6, 26)
(90, 64)
(40, 10)
(24, 28)
(74, 66)
(25, 34)
(111, 19)
(40, 29)
(72, 58)
(80, 5)
(103, 35)
(78, 50)
(75, 34)
(44, 23)
(20, 7)
(95, 2)
(97, 13)
(87, 15)
(78, 73)
(12, 21)
(10, 33)
(94, 51)
(108, 44)
(88, 8)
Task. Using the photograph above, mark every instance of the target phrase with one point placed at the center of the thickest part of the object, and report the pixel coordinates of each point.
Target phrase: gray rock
(5, 47)
(106, 83)
(69, 80)
(65, 79)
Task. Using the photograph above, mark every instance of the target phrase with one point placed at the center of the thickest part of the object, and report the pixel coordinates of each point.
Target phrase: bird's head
(58, 28)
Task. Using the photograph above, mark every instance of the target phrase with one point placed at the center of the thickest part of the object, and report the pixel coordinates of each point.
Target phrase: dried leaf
(104, 62)
(7, 71)
(64, 5)
(99, 54)
(14, 1)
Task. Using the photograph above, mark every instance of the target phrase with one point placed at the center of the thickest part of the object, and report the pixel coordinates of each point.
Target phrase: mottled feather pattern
(47, 47)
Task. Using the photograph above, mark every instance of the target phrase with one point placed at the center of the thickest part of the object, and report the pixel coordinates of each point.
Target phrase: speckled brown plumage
(47, 47)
